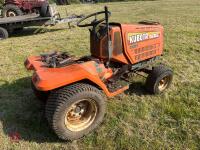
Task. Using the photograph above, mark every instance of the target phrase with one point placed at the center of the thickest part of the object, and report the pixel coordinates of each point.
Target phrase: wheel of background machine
(63, 2)
(44, 10)
(41, 95)
(159, 79)
(11, 10)
(75, 110)
(3, 33)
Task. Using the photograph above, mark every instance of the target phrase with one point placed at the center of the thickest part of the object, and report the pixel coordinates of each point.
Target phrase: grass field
(134, 119)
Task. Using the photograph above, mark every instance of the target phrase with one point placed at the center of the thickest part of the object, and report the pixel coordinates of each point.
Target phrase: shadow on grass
(33, 31)
(22, 113)
(136, 88)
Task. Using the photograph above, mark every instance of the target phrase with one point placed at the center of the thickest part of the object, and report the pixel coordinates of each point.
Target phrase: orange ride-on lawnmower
(73, 89)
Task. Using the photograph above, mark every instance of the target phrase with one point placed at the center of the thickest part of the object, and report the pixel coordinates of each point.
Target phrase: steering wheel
(95, 21)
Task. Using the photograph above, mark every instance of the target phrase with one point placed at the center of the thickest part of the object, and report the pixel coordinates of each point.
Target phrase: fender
(46, 79)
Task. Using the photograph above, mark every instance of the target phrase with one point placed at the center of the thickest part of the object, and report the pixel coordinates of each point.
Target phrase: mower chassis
(113, 86)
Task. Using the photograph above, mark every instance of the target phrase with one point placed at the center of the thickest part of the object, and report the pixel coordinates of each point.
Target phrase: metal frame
(11, 23)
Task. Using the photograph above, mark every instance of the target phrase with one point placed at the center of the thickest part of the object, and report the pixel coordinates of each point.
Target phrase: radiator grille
(146, 52)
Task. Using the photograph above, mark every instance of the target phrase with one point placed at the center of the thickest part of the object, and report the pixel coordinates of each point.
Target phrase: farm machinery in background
(16, 23)
(74, 90)
(12, 8)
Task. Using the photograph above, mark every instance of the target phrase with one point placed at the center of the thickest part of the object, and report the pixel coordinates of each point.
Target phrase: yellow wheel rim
(163, 83)
(81, 115)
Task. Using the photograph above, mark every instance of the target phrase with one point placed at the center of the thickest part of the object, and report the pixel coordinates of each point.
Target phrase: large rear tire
(159, 79)
(3, 33)
(75, 110)
(11, 10)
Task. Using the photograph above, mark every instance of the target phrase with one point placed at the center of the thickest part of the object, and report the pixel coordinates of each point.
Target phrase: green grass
(134, 119)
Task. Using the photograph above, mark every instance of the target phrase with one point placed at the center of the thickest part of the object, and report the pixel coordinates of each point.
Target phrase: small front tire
(74, 111)
(159, 79)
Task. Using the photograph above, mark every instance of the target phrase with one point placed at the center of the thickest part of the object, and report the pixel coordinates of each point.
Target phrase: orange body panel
(130, 43)
(142, 42)
(46, 79)
(118, 55)
(98, 47)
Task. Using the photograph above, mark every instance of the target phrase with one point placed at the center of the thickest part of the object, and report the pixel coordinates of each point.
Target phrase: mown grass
(134, 119)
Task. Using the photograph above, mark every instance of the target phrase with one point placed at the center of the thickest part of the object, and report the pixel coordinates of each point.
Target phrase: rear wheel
(159, 79)
(11, 10)
(3, 33)
(75, 110)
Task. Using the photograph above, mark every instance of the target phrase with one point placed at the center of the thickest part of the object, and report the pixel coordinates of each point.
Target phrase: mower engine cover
(130, 43)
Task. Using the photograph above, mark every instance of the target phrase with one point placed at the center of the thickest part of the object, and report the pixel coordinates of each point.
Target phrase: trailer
(9, 24)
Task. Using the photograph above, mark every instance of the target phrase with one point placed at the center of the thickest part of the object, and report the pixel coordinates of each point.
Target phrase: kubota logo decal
(138, 37)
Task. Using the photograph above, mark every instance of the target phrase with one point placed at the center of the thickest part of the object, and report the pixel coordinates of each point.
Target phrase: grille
(146, 52)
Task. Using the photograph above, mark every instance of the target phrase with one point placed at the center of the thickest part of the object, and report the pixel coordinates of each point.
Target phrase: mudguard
(46, 79)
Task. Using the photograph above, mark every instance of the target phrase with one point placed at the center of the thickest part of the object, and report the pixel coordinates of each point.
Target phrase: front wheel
(75, 110)
(159, 79)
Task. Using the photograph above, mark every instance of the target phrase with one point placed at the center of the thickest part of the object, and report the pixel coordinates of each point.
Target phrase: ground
(134, 119)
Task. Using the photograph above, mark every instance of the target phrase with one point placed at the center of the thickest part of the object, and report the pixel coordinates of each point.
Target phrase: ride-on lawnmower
(13, 8)
(73, 89)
